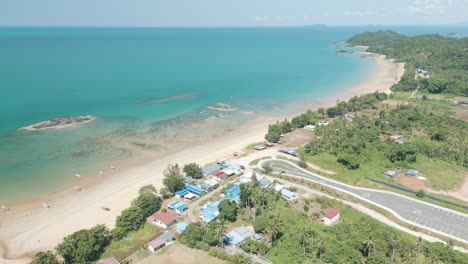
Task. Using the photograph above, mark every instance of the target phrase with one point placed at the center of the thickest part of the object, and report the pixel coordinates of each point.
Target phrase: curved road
(434, 218)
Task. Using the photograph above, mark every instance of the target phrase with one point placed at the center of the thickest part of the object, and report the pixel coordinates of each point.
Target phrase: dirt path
(180, 254)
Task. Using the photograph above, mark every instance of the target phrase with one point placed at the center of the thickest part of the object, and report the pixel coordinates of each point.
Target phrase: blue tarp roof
(181, 208)
(211, 211)
(178, 205)
(180, 227)
(412, 172)
(232, 193)
(234, 190)
(195, 189)
(182, 192)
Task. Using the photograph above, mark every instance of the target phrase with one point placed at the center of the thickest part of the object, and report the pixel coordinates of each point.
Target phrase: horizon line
(230, 26)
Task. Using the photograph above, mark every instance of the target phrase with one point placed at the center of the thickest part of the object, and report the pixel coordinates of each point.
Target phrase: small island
(58, 123)
(222, 107)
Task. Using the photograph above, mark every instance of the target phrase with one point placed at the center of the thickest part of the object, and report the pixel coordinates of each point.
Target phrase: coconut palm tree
(369, 245)
(220, 232)
(306, 238)
(320, 244)
(393, 245)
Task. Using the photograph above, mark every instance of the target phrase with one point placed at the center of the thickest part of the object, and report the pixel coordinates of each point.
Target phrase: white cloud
(262, 18)
(362, 13)
(434, 6)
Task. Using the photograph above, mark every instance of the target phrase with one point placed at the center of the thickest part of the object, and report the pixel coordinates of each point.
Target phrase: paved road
(434, 218)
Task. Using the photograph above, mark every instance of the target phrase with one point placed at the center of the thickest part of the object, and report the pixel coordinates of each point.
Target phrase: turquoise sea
(144, 84)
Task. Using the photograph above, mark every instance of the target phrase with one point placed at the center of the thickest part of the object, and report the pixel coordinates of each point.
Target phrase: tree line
(444, 58)
(87, 245)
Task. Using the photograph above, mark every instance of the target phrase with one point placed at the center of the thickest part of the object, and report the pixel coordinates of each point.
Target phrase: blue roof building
(233, 194)
(178, 206)
(195, 189)
(211, 211)
(181, 193)
(413, 173)
(180, 227)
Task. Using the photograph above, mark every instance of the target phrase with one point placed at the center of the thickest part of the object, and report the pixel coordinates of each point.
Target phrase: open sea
(145, 85)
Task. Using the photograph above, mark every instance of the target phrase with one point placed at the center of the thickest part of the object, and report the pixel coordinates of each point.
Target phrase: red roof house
(163, 219)
(221, 175)
(331, 216)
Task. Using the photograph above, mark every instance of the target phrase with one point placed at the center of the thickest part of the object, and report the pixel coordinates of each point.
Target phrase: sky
(179, 13)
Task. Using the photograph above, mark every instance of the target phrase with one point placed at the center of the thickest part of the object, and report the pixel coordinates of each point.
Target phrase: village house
(331, 216)
(210, 212)
(220, 176)
(264, 181)
(238, 235)
(108, 261)
(162, 219)
(180, 227)
(178, 206)
(234, 166)
(164, 240)
(391, 174)
(190, 196)
(289, 195)
(208, 184)
(194, 189)
(211, 169)
(412, 173)
(181, 193)
(233, 194)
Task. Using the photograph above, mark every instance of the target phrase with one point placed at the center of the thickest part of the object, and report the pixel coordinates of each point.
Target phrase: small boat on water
(45, 205)
(107, 209)
(77, 175)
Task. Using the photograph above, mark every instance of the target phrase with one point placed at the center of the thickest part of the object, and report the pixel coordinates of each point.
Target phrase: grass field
(400, 95)
(121, 249)
(440, 175)
(180, 254)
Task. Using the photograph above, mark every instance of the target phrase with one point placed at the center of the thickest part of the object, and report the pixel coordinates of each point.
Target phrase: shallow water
(145, 86)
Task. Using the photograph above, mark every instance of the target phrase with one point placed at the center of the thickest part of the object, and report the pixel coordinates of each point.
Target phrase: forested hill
(444, 58)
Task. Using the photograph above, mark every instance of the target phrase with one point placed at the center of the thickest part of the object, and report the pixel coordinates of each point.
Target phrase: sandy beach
(30, 228)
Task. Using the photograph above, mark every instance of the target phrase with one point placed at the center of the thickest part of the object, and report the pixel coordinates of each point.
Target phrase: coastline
(30, 228)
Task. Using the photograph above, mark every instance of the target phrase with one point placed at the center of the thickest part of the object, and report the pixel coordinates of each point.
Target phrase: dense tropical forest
(444, 58)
